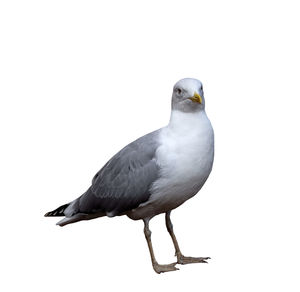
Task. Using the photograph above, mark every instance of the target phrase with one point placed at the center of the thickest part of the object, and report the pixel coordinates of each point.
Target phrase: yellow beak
(196, 98)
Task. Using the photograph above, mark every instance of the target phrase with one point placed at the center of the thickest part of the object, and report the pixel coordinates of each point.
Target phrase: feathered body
(155, 173)
(185, 157)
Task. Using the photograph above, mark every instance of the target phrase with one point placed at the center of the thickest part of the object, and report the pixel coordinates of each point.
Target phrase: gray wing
(124, 181)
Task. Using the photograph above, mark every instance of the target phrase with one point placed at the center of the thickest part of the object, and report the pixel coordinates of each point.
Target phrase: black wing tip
(57, 212)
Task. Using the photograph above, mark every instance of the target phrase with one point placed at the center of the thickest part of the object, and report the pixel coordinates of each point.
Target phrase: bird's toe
(182, 260)
(164, 268)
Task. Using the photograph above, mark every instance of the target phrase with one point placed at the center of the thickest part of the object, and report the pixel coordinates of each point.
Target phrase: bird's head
(188, 95)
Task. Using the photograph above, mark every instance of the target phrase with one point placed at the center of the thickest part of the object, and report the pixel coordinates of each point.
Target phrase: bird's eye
(179, 91)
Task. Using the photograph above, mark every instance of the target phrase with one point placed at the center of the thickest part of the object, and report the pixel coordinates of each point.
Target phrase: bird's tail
(57, 212)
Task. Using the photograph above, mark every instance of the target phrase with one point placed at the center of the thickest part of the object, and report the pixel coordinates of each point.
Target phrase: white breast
(185, 158)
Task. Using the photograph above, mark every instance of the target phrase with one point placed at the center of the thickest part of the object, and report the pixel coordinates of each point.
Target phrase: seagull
(155, 173)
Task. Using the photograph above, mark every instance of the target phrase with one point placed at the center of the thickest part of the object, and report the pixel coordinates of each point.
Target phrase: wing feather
(124, 181)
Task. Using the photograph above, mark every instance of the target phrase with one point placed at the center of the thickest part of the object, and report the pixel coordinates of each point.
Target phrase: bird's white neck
(182, 121)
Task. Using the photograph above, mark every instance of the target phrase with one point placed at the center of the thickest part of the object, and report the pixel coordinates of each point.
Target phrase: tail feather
(73, 219)
(78, 217)
(57, 212)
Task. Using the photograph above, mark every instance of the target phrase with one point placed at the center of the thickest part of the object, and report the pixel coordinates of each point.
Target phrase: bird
(154, 174)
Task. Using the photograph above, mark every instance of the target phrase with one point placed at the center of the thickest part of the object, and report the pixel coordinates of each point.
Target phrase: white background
(81, 79)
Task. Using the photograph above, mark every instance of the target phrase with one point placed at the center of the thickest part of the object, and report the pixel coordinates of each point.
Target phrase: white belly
(185, 158)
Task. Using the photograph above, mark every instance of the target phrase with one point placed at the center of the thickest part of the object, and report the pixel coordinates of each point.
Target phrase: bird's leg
(157, 267)
(181, 259)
